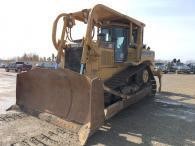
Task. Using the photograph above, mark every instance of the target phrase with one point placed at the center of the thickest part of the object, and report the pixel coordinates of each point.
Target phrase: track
(128, 77)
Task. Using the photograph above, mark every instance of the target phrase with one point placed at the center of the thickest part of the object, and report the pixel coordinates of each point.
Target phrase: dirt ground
(7, 89)
(168, 119)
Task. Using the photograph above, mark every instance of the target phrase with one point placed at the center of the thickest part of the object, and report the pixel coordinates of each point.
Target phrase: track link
(154, 86)
(121, 80)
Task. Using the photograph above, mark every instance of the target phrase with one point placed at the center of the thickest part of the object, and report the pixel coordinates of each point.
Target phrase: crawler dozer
(96, 76)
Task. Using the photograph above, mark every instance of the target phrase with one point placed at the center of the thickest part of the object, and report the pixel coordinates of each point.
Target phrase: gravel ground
(167, 119)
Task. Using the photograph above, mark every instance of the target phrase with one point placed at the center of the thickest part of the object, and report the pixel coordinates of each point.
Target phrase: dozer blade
(63, 98)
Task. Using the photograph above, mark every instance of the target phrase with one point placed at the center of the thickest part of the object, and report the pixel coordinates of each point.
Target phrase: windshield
(119, 37)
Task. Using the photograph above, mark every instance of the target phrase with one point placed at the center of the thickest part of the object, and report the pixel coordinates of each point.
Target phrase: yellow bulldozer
(96, 76)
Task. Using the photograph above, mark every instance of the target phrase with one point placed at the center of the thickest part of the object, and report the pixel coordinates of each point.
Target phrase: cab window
(116, 38)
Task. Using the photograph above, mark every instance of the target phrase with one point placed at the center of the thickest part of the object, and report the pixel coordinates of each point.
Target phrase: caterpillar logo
(147, 53)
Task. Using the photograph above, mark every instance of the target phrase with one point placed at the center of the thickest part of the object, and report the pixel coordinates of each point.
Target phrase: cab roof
(103, 13)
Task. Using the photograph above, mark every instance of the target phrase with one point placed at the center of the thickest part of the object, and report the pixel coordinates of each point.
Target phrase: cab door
(121, 40)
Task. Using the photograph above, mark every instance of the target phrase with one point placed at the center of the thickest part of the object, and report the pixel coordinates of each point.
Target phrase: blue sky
(26, 25)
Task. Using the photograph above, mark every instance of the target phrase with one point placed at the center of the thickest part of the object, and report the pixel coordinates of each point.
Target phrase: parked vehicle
(192, 67)
(181, 68)
(161, 66)
(2, 65)
(48, 65)
(18, 67)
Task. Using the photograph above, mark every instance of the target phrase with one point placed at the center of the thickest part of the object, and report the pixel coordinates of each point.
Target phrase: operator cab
(115, 38)
(119, 37)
